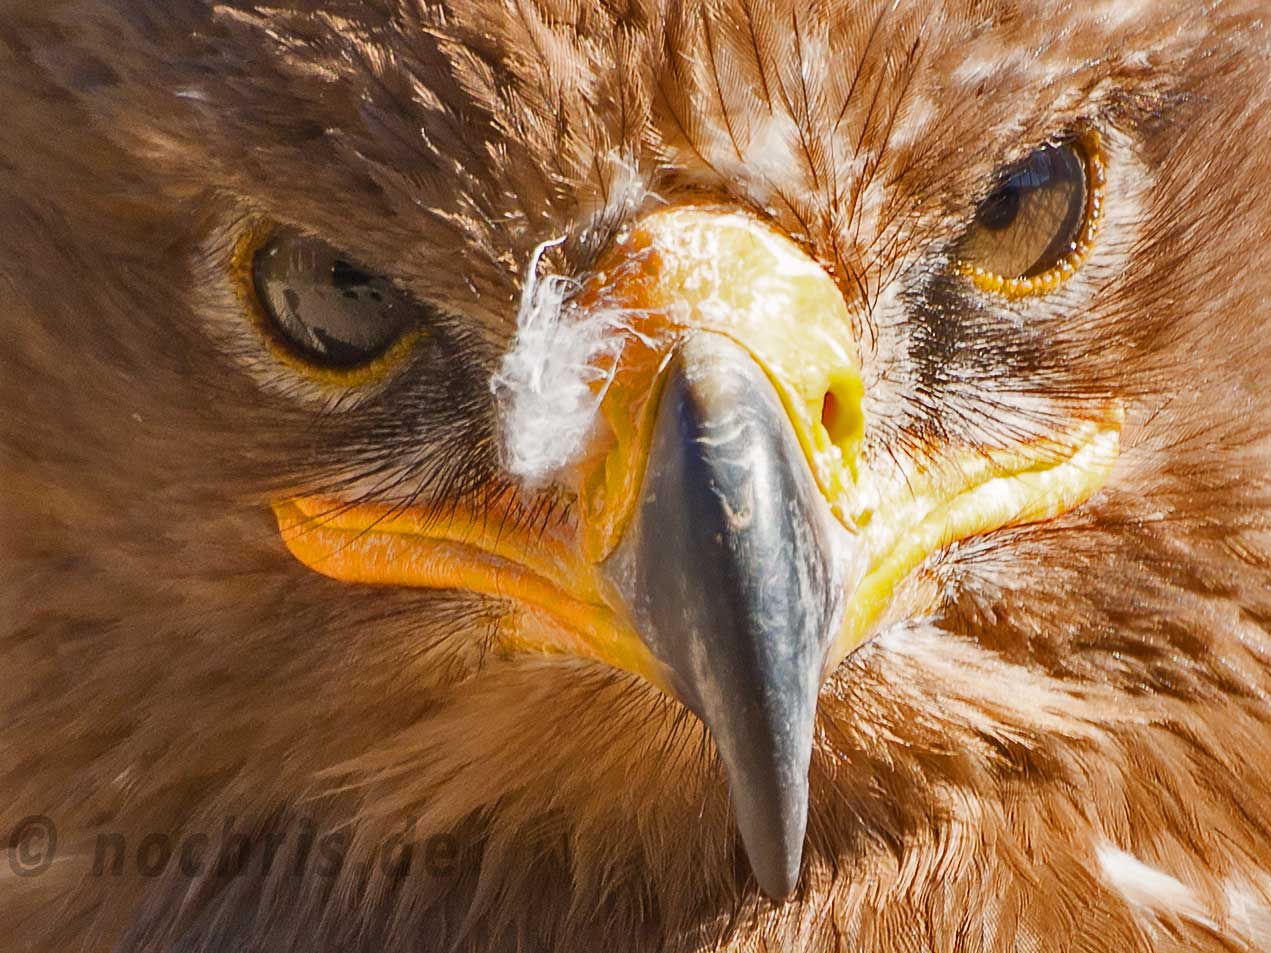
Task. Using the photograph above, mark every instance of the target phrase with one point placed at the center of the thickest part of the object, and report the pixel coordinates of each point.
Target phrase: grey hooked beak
(727, 571)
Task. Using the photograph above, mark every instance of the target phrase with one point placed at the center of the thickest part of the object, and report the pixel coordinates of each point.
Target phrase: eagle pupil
(346, 276)
(1000, 209)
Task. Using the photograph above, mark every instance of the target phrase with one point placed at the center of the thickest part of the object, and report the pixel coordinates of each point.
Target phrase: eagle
(687, 475)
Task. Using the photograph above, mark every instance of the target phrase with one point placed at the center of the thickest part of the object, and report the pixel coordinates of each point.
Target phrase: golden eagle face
(697, 455)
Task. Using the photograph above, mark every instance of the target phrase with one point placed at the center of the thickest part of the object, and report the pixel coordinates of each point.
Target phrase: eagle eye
(321, 307)
(1037, 225)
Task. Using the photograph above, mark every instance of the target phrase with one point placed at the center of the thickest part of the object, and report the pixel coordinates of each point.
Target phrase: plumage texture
(1058, 742)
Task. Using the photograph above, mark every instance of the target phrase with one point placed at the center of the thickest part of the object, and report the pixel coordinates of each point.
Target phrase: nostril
(841, 416)
(831, 415)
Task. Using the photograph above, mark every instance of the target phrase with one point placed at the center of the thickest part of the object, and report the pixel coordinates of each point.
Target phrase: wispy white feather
(550, 384)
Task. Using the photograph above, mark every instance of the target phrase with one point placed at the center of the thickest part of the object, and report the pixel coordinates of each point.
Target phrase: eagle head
(750, 474)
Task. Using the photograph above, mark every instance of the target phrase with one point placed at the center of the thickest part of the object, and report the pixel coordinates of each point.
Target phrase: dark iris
(328, 309)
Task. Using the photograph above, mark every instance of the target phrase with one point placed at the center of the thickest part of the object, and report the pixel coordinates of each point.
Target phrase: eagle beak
(728, 572)
(728, 540)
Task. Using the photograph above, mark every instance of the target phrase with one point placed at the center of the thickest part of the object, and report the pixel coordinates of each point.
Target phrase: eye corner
(1070, 249)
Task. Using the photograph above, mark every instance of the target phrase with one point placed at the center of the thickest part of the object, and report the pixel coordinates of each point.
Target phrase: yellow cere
(696, 268)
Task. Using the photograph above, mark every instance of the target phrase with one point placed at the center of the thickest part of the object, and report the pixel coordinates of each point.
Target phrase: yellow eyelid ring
(251, 240)
(1088, 146)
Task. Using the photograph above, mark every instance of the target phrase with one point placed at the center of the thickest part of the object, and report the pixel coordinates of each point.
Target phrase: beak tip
(778, 875)
(772, 826)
